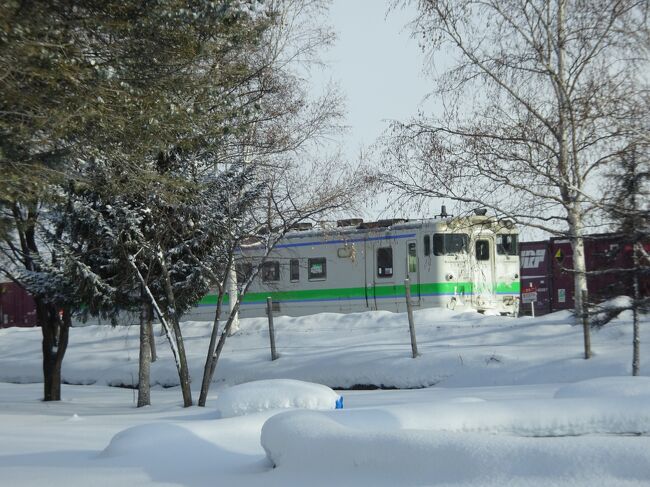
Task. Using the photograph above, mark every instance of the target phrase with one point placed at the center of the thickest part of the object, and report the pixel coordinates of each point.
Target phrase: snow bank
(263, 395)
(523, 417)
(138, 441)
(457, 349)
(306, 441)
(607, 387)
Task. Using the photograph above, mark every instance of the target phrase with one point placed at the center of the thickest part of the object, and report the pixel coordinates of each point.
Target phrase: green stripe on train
(504, 288)
(360, 292)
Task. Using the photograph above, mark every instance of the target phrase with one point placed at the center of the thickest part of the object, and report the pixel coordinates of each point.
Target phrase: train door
(381, 275)
(413, 270)
(483, 283)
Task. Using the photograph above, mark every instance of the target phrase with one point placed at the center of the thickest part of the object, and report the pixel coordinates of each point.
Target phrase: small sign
(529, 295)
(559, 256)
(561, 295)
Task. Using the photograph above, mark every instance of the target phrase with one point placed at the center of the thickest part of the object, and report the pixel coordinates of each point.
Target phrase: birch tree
(533, 110)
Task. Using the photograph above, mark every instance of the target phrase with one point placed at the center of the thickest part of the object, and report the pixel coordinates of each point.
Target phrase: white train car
(457, 263)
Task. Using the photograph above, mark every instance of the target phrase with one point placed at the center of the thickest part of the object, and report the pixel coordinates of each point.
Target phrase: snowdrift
(264, 395)
(478, 443)
(306, 441)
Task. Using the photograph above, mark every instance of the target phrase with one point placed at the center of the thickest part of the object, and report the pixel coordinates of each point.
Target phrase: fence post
(269, 312)
(585, 324)
(409, 312)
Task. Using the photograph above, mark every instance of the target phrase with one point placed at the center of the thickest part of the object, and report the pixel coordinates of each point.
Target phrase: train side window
(317, 268)
(450, 243)
(385, 262)
(507, 244)
(294, 270)
(482, 250)
(271, 271)
(427, 245)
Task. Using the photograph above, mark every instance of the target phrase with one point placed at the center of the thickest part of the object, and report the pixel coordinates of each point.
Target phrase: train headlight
(449, 277)
(516, 276)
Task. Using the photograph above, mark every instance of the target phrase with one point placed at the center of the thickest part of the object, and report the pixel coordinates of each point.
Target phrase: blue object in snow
(339, 403)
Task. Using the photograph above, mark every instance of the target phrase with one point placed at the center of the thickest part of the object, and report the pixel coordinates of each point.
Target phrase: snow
(263, 395)
(458, 349)
(493, 401)
(607, 387)
(316, 443)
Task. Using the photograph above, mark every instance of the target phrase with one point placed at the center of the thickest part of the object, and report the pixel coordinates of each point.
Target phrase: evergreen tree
(92, 84)
(627, 204)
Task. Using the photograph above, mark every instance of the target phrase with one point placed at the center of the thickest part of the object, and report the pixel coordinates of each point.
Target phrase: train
(468, 262)
(546, 271)
(471, 262)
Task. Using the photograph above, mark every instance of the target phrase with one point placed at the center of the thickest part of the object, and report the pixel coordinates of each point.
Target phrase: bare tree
(281, 144)
(287, 204)
(534, 108)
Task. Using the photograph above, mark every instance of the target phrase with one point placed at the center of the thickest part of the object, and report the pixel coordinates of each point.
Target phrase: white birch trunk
(232, 299)
(579, 262)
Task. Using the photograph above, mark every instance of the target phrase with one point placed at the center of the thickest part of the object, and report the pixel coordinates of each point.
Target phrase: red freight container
(563, 283)
(17, 307)
(534, 260)
(602, 252)
(546, 269)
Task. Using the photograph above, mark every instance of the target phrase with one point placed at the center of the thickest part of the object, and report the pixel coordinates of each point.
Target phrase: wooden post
(585, 324)
(532, 309)
(269, 312)
(409, 310)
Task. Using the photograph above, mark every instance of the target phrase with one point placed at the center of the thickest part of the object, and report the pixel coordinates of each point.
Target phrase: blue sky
(378, 67)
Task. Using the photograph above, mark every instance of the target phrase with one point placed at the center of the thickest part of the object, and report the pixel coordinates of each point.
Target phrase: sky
(378, 65)
(380, 71)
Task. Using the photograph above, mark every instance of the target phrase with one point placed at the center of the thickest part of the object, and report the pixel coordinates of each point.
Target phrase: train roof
(358, 227)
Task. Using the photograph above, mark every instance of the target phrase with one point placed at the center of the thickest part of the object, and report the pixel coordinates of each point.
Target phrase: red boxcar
(17, 307)
(547, 265)
(534, 258)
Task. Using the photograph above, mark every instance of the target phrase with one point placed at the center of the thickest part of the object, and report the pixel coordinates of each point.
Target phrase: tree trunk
(580, 288)
(232, 297)
(579, 262)
(636, 340)
(580, 276)
(55, 331)
(222, 341)
(176, 341)
(152, 338)
(172, 316)
(144, 383)
(208, 367)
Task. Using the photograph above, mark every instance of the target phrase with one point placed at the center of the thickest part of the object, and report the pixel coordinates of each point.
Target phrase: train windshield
(507, 244)
(450, 243)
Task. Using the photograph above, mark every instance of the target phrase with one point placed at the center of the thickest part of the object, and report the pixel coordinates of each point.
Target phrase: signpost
(529, 295)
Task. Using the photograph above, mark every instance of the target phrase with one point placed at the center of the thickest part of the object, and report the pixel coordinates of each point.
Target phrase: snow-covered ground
(499, 401)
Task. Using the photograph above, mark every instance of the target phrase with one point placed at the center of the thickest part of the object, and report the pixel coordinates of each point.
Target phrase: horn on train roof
(443, 213)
